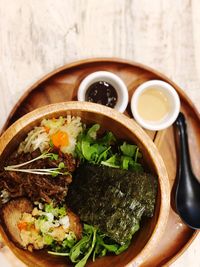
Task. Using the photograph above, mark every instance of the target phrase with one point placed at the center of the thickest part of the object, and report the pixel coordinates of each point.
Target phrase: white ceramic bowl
(112, 79)
(170, 95)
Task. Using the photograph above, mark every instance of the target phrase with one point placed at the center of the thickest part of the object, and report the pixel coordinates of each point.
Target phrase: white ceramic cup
(173, 103)
(112, 79)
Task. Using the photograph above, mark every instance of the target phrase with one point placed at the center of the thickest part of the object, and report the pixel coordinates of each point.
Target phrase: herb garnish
(61, 169)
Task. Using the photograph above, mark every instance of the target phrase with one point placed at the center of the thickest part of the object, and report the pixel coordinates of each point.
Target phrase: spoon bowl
(187, 197)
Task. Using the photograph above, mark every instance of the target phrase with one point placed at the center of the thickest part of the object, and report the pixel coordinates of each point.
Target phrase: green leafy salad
(106, 151)
(86, 191)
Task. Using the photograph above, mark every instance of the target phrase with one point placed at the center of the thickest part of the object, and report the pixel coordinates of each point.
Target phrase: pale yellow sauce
(153, 105)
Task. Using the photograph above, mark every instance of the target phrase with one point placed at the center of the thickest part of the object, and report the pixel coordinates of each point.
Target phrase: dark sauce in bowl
(103, 93)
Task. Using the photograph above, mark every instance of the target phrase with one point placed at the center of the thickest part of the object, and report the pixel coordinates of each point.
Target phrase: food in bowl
(106, 88)
(155, 105)
(75, 191)
(102, 93)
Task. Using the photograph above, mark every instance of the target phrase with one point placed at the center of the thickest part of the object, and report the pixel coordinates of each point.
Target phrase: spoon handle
(184, 156)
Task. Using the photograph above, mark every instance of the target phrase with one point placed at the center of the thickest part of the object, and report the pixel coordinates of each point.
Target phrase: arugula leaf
(125, 160)
(135, 166)
(90, 148)
(88, 229)
(123, 248)
(101, 150)
(109, 247)
(78, 148)
(92, 241)
(68, 243)
(103, 156)
(92, 132)
(111, 162)
(83, 261)
(107, 139)
(84, 247)
(128, 150)
(77, 250)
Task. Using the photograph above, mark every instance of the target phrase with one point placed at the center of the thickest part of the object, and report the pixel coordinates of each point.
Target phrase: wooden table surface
(38, 36)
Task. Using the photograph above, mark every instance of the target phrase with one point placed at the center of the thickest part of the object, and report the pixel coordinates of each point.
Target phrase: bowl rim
(130, 124)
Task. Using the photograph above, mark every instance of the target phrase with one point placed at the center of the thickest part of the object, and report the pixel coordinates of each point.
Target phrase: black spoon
(187, 196)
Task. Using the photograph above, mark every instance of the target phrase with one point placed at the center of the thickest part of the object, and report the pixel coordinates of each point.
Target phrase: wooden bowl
(151, 231)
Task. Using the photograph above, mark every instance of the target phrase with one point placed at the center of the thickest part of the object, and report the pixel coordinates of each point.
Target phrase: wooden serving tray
(61, 85)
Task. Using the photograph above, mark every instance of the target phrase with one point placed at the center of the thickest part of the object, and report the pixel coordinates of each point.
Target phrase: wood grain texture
(61, 85)
(39, 36)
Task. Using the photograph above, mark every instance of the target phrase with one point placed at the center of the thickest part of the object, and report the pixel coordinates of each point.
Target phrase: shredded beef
(36, 186)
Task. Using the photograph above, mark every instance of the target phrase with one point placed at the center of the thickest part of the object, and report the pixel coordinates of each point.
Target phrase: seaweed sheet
(114, 200)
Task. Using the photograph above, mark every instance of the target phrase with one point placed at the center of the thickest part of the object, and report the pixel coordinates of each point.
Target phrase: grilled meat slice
(11, 213)
(75, 224)
(37, 187)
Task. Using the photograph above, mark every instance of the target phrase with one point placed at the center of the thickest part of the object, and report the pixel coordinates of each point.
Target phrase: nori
(114, 200)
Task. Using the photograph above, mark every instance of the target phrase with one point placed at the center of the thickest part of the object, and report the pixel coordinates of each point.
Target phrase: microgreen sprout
(48, 171)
